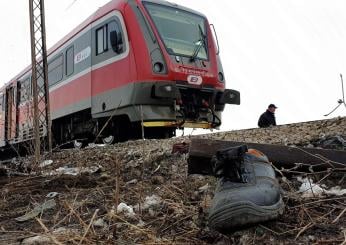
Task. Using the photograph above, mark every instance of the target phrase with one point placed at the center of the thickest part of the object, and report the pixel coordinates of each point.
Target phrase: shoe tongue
(229, 163)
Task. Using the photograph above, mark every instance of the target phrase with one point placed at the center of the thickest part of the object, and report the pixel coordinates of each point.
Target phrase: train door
(110, 63)
(10, 113)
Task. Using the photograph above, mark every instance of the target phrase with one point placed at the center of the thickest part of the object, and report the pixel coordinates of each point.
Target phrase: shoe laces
(229, 164)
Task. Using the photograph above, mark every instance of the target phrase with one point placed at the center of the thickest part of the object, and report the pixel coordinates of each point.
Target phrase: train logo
(194, 80)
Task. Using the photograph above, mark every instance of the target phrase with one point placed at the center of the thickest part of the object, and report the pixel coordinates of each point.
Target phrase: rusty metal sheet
(201, 151)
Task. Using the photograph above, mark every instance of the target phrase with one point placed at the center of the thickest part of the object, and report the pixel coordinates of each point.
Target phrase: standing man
(267, 119)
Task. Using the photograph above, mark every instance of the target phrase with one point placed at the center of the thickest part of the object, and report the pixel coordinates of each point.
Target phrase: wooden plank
(201, 151)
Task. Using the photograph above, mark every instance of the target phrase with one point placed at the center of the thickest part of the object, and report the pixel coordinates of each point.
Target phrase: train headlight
(168, 88)
(158, 67)
(164, 90)
(221, 77)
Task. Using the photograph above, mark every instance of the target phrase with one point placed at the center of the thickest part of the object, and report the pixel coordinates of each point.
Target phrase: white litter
(126, 210)
(151, 201)
(73, 170)
(60, 230)
(52, 194)
(336, 190)
(309, 189)
(93, 145)
(45, 163)
(99, 223)
(68, 171)
(65, 231)
(204, 188)
(141, 223)
(50, 204)
(36, 240)
(134, 181)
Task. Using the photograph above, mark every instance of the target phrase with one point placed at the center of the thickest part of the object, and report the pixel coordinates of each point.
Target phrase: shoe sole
(243, 213)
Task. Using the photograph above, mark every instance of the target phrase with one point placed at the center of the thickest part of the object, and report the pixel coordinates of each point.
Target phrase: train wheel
(108, 140)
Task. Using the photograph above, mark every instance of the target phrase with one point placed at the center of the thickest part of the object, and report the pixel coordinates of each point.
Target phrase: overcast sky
(287, 52)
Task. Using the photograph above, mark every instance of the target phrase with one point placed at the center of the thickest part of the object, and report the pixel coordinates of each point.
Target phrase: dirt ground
(138, 192)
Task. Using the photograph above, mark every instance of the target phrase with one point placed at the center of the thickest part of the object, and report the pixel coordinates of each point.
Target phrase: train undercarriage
(80, 129)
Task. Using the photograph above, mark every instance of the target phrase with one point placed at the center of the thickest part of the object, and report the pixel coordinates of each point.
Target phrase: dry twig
(88, 228)
(47, 231)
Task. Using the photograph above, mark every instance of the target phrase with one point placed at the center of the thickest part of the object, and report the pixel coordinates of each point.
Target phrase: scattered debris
(52, 194)
(37, 240)
(45, 163)
(93, 145)
(332, 142)
(204, 188)
(126, 210)
(336, 190)
(99, 223)
(179, 214)
(37, 210)
(151, 201)
(134, 181)
(309, 189)
(73, 170)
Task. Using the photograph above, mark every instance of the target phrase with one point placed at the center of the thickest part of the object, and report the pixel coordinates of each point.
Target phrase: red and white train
(141, 63)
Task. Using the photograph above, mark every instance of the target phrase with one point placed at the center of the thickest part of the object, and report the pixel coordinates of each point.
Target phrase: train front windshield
(183, 33)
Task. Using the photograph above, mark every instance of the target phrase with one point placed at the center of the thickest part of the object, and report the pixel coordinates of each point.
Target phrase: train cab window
(101, 39)
(115, 37)
(55, 70)
(69, 61)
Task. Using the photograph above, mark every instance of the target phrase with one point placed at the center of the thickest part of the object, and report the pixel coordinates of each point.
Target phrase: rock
(37, 240)
(100, 223)
(151, 201)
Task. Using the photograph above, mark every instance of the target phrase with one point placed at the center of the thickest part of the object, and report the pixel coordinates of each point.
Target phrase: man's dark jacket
(267, 119)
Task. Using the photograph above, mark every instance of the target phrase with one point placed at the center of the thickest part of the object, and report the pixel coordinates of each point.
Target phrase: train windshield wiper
(200, 42)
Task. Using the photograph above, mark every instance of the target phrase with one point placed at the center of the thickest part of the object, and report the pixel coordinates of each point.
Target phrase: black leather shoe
(247, 191)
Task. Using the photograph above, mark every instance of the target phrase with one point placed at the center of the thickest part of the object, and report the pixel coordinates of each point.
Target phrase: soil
(169, 207)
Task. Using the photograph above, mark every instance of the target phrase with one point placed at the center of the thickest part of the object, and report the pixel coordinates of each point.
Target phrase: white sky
(287, 52)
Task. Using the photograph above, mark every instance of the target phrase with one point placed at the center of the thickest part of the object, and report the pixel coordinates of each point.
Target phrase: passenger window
(55, 70)
(101, 40)
(69, 61)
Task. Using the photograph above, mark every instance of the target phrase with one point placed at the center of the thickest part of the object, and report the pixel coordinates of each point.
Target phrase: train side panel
(71, 92)
(2, 119)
